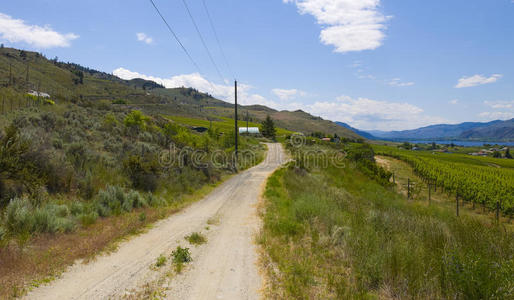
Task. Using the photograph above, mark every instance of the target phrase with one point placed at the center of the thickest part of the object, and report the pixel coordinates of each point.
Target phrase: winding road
(223, 268)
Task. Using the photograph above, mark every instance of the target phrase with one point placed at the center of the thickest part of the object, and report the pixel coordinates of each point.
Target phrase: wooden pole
(498, 211)
(457, 200)
(408, 188)
(429, 193)
(235, 122)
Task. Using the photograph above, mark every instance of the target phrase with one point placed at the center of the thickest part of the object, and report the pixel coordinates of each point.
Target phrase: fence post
(408, 188)
(429, 193)
(498, 211)
(457, 200)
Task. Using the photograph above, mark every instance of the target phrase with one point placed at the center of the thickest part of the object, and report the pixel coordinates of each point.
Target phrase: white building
(39, 94)
(249, 130)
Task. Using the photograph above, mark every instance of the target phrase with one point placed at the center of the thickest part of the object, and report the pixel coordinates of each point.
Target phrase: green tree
(136, 119)
(507, 154)
(497, 154)
(268, 128)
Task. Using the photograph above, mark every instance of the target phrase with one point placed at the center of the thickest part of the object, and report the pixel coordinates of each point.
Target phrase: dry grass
(47, 256)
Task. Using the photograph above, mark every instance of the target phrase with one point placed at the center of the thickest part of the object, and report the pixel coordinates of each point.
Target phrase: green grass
(336, 234)
(161, 261)
(196, 238)
(180, 256)
(460, 157)
(222, 123)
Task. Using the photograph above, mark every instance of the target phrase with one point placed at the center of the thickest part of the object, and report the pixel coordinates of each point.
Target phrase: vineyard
(484, 181)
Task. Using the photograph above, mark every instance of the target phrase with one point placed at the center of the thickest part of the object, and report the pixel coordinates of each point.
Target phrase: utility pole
(235, 123)
(10, 74)
(27, 78)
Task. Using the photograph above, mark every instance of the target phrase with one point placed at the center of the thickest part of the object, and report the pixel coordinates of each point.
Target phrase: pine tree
(268, 128)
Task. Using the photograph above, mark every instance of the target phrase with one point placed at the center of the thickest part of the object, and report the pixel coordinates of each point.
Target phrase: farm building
(249, 130)
(38, 94)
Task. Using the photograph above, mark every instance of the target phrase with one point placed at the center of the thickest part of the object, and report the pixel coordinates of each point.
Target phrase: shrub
(136, 120)
(161, 261)
(136, 199)
(3, 237)
(196, 238)
(143, 172)
(180, 257)
(154, 201)
(114, 200)
(111, 201)
(18, 216)
(88, 218)
(17, 165)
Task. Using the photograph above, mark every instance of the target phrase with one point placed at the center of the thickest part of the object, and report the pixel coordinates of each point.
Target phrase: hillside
(68, 81)
(362, 133)
(503, 130)
(450, 131)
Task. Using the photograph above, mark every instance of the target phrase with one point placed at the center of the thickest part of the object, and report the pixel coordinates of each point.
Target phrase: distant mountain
(446, 131)
(501, 130)
(362, 133)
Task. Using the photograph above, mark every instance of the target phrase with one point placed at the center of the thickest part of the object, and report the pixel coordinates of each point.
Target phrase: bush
(154, 201)
(3, 237)
(18, 217)
(196, 238)
(88, 218)
(136, 199)
(114, 200)
(143, 172)
(111, 201)
(161, 261)
(180, 257)
(136, 120)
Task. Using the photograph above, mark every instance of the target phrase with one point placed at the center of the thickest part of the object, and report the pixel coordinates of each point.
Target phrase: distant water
(464, 143)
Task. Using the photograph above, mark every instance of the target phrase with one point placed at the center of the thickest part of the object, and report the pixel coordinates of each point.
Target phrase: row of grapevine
(484, 185)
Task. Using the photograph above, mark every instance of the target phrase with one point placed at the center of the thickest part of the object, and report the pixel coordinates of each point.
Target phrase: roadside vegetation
(196, 238)
(67, 166)
(344, 233)
(487, 182)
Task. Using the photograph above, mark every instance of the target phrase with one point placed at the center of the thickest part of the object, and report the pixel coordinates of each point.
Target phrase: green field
(483, 180)
(335, 233)
(223, 124)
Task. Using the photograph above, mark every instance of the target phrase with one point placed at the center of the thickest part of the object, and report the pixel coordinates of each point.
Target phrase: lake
(464, 143)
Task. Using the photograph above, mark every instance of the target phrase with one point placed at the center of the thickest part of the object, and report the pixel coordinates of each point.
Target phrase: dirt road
(223, 268)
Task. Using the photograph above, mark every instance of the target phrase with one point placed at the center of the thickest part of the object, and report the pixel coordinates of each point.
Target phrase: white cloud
(500, 104)
(496, 115)
(399, 83)
(284, 94)
(454, 101)
(348, 25)
(197, 81)
(365, 113)
(142, 37)
(16, 31)
(360, 112)
(477, 80)
(504, 110)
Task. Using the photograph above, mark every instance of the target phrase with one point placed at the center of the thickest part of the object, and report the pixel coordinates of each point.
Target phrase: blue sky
(376, 64)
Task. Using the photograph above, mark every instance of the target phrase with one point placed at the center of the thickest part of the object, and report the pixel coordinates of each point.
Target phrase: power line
(176, 37)
(181, 45)
(203, 41)
(217, 38)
